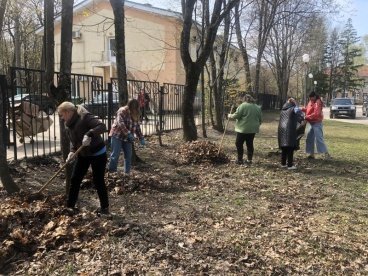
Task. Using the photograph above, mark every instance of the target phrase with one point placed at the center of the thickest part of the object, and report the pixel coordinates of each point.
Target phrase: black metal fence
(269, 101)
(33, 125)
(30, 115)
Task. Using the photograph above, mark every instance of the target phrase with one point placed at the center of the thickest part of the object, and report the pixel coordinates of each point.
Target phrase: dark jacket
(287, 131)
(83, 123)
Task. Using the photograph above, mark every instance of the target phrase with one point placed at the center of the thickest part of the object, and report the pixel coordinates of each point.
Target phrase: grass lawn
(313, 220)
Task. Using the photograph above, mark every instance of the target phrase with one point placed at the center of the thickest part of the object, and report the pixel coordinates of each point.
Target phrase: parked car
(342, 107)
(364, 108)
(99, 104)
(45, 103)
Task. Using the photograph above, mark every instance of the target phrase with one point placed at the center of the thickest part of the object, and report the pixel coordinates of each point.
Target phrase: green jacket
(248, 118)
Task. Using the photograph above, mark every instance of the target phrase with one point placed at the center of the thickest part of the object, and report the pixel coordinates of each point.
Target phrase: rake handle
(223, 135)
(59, 170)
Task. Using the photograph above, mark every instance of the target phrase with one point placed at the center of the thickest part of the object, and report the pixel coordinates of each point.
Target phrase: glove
(143, 142)
(130, 137)
(70, 157)
(86, 140)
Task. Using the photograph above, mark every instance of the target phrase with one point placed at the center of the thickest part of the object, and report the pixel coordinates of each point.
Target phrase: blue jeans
(116, 146)
(315, 135)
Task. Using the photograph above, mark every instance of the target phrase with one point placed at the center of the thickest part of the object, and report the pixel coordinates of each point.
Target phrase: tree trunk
(9, 185)
(210, 96)
(17, 42)
(205, 6)
(119, 17)
(5, 176)
(49, 45)
(220, 83)
(203, 106)
(206, 23)
(243, 50)
(64, 85)
(214, 88)
(189, 126)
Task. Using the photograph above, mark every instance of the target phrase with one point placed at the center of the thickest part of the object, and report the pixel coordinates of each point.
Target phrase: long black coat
(287, 131)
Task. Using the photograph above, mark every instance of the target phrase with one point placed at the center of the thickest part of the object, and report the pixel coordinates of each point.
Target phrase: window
(112, 46)
(342, 102)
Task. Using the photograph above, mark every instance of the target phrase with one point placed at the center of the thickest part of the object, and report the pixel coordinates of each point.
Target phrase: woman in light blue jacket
(248, 118)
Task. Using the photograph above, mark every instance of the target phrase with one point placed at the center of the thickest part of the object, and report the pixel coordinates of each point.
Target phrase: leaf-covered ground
(184, 216)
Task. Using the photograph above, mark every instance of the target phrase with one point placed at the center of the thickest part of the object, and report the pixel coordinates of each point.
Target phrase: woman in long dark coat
(290, 116)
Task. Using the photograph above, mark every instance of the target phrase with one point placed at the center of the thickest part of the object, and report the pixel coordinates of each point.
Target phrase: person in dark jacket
(144, 100)
(84, 129)
(288, 136)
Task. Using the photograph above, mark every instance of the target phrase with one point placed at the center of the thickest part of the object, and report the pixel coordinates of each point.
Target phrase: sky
(164, 4)
(357, 10)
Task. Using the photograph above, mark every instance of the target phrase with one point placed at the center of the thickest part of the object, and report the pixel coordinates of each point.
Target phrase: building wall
(152, 44)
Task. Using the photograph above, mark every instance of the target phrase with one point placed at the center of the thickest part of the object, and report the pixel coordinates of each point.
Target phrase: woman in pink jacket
(314, 116)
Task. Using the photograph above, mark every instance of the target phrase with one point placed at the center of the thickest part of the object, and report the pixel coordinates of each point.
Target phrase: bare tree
(205, 5)
(119, 17)
(5, 176)
(218, 76)
(192, 68)
(242, 43)
(267, 11)
(21, 39)
(295, 28)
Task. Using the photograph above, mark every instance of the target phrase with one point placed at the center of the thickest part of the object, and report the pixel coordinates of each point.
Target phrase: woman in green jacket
(248, 119)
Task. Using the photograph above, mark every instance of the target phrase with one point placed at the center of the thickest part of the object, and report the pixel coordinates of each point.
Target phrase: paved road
(360, 119)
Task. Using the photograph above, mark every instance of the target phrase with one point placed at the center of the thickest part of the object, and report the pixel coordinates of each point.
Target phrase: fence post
(110, 106)
(160, 108)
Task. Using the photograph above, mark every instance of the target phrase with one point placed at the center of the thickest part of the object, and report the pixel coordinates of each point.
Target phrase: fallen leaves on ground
(176, 216)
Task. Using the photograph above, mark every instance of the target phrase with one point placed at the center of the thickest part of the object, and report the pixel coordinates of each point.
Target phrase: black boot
(239, 162)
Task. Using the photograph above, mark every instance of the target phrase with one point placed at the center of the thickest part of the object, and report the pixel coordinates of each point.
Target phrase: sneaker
(292, 168)
(311, 156)
(248, 162)
(239, 162)
(284, 166)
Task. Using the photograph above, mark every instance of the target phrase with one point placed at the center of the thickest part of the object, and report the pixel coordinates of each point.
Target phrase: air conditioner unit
(76, 35)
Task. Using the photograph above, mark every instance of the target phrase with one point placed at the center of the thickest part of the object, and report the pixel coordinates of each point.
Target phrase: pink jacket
(313, 111)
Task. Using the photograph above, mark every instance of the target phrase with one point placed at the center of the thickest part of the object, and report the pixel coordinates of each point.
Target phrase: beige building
(152, 42)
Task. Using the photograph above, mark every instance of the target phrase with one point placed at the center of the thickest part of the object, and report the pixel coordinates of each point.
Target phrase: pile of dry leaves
(31, 224)
(201, 152)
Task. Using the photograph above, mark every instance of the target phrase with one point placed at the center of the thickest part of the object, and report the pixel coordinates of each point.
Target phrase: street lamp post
(305, 59)
(310, 76)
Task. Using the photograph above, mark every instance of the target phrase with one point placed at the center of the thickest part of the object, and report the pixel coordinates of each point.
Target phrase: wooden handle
(223, 136)
(62, 167)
